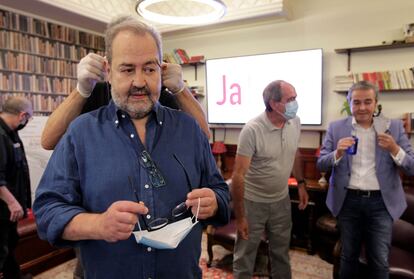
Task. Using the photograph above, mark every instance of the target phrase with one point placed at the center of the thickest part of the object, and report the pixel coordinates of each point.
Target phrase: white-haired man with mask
(132, 171)
(266, 154)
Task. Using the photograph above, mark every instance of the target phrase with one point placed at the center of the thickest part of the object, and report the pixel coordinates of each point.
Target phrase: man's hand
(90, 70)
(208, 202)
(16, 211)
(118, 221)
(387, 142)
(172, 77)
(343, 145)
(303, 197)
(242, 228)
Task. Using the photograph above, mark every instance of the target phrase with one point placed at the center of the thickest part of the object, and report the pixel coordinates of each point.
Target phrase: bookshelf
(390, 91)
(38, 59)
(395, 81)
(180, 56)
(195, 65)
(349, 50)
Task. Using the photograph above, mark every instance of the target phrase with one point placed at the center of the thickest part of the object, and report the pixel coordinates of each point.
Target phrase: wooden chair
(35, 255)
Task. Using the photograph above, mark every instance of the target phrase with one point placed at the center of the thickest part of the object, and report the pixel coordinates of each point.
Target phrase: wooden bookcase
(195, 65)
(38, 59)
(396, 81)
(350, 50)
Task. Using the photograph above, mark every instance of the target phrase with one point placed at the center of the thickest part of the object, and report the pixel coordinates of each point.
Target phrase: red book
(196, 58)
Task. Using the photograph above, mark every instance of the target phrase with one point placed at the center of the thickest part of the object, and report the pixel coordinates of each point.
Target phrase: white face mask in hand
(169, 236)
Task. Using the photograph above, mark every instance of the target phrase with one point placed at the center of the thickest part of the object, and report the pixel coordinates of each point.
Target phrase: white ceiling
(104, 10)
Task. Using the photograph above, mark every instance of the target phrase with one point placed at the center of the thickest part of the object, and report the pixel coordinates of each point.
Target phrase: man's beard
(136, 109)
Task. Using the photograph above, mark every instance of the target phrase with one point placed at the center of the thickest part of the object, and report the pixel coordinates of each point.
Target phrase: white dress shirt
(363, 173)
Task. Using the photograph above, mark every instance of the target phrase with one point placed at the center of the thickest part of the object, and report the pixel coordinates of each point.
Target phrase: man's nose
(362, 106)
(139, 80)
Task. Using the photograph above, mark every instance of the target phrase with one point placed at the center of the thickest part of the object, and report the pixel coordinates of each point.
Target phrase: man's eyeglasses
(155, 176)
(159, 223)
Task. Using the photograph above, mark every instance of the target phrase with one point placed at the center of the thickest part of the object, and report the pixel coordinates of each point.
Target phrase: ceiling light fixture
(181, 12)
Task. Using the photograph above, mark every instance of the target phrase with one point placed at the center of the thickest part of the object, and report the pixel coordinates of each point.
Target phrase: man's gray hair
(132, 24)
(15, 105)
(273, 91)
(362, 85)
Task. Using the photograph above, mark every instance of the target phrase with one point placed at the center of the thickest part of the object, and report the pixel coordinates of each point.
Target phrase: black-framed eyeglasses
(155, 176)
(161, 222)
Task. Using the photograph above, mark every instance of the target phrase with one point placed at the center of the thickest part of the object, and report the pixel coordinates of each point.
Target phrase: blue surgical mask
(291, 109)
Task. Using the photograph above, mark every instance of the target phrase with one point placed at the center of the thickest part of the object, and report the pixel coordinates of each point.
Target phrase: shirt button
(146, 186)
(116, 121)
(123, 115)
(160, 122)
(148, 216)
(149, 249)
(132, 136)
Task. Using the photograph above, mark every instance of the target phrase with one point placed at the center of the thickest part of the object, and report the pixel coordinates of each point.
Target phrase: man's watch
(302, 181)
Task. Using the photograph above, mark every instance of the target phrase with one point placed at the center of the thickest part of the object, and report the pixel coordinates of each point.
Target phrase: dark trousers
(8, 243)
(365, 220)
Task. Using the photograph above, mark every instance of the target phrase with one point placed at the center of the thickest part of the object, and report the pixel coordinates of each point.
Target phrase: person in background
(15, 195)
(266, 153)
(125, 167)
(365, 191)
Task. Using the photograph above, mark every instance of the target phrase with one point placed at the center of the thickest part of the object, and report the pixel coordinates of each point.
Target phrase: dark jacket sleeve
(3, 160)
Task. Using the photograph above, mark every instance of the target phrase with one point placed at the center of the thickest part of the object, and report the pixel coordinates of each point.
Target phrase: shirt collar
(269, 125)
(355, 125)
(117, 115)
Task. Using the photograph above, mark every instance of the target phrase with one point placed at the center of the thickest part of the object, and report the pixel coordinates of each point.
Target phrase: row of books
(34, 83)
(22, 23)
(42, 105)
(180, 56)
(36, 45)
(385, 80)
(23, 62)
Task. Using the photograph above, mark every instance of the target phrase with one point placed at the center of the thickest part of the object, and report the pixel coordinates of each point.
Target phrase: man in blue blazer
(365, 190)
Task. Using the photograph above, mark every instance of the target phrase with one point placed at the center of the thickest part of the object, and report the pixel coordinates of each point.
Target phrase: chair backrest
(409, 212)
(403, 229)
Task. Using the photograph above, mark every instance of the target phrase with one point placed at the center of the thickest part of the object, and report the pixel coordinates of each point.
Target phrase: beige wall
(327, 24)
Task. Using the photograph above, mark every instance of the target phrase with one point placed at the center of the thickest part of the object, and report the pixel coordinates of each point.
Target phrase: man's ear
(273, 104)
(21, 116)
(107, 70)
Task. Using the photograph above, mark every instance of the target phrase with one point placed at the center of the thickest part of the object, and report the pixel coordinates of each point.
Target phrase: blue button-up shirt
(94, 166)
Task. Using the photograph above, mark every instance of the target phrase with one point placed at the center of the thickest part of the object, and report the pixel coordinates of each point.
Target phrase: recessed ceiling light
(196, 12)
